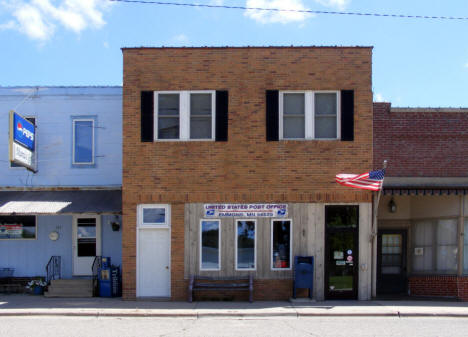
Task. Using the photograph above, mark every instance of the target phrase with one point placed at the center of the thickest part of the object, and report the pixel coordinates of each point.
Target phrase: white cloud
(263, 16)
(180, 39)
(217, 2)
(379, 98)
(276, 16)
(339, 4)
(39, 19)
(466, 65)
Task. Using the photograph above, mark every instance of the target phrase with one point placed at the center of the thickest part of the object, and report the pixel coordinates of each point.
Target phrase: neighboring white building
(71, 206)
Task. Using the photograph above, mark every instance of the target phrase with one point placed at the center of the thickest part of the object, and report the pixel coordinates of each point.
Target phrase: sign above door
(246, 210)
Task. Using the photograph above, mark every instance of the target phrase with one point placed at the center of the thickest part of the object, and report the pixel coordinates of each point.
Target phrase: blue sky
(77, 42)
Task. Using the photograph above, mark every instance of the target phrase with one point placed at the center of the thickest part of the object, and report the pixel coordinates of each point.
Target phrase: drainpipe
(461, 237)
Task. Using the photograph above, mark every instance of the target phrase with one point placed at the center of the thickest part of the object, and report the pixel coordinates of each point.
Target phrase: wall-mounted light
(392, 207)
(115, 224)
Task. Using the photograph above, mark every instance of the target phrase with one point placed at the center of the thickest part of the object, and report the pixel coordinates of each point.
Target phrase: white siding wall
(53, 108)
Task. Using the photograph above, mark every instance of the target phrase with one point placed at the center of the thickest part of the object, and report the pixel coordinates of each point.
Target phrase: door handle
(167, 267)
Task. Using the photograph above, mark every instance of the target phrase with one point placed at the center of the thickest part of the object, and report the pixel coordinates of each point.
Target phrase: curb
(197, 315)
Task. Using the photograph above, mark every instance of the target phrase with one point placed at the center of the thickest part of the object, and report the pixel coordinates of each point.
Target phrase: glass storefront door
(341, 247)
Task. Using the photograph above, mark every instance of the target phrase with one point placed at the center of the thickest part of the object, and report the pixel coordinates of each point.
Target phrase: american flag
(372, 180)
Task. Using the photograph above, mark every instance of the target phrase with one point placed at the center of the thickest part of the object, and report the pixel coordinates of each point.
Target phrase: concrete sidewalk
(29, 305)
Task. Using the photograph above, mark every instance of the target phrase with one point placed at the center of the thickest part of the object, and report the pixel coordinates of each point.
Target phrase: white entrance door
(86, 243)
(153, 251)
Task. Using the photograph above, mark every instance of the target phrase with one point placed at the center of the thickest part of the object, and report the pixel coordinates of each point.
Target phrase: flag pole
(373, 238)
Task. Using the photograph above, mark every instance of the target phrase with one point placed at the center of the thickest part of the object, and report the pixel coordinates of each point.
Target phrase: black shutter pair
(147, 116)
(347, 115)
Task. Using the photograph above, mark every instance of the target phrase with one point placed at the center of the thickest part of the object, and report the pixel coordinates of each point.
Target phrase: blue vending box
(303, 274)
(105, 280)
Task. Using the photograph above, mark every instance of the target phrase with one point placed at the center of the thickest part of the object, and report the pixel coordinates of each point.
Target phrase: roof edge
(447, 109)
(250, 47)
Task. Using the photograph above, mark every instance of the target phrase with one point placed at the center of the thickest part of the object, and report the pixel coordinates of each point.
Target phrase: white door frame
(139, 228)
(75, 245)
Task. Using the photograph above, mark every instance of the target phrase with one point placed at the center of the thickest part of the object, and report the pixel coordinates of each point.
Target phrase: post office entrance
(341, 251)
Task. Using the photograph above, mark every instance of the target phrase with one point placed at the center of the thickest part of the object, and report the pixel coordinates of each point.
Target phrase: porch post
(461, 235)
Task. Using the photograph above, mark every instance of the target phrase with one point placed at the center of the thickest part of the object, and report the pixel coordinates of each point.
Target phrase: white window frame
(93, 140)
(166, 224)
(184, 115)
(255, 246)
(290, 244)
(219, 246)
(309, 113)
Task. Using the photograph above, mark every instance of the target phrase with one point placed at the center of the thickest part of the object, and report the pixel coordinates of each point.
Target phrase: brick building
(423, 215)
(229, 160)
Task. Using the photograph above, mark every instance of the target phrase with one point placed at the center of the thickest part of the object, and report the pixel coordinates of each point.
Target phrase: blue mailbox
(303, 274)
(105, 280)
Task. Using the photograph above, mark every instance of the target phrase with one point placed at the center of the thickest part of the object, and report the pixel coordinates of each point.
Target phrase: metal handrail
(97, 264)
(54, 268)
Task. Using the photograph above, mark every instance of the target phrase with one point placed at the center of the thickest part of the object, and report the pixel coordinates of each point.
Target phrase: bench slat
(220, 285)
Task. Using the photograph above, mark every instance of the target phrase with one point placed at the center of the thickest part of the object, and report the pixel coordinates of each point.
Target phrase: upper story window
(184, 115)
(83, 141)
(309, 115)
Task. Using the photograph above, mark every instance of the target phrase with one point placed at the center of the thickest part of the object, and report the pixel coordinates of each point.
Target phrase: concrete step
(75, 283)
(71, 292)
(70, 288)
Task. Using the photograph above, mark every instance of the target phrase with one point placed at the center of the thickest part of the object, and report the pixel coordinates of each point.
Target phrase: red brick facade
(421, 142)
(246, 168)
(444, 286)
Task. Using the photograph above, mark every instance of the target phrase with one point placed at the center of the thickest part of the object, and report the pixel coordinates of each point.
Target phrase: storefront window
(17, 227)
(210, 238)
(423, 233)
(447, 247)
(435, 246)
(281, 244)
(245, 245)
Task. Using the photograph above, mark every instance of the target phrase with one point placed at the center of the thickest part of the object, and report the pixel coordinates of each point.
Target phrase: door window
(391, 253)
(86, 237)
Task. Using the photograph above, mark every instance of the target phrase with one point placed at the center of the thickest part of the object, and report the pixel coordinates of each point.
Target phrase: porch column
(461, 235)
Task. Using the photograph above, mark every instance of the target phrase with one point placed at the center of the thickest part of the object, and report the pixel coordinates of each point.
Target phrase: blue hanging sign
(23, 131)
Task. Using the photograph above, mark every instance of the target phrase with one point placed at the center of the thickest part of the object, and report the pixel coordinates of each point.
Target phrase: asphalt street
(207, 327)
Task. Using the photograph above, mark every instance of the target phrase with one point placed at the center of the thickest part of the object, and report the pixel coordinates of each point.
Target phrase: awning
(60, 202)
(425, 186)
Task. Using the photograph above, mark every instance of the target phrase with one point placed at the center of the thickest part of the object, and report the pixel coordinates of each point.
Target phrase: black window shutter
(222, 102)
(347, 115)
(272, 115)
(147, 116)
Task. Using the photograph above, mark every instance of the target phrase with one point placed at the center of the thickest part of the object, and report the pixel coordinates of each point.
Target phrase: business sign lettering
(22, 141)
(23, 131)
(246, 210)
(11, 231)
(22, 155)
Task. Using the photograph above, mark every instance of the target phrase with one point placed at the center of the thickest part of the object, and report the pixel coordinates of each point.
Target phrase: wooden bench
(220, 283)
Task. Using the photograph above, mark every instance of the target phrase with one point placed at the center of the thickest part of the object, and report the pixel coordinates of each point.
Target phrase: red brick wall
(426, 143)
(445, 286)
(246, 168)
